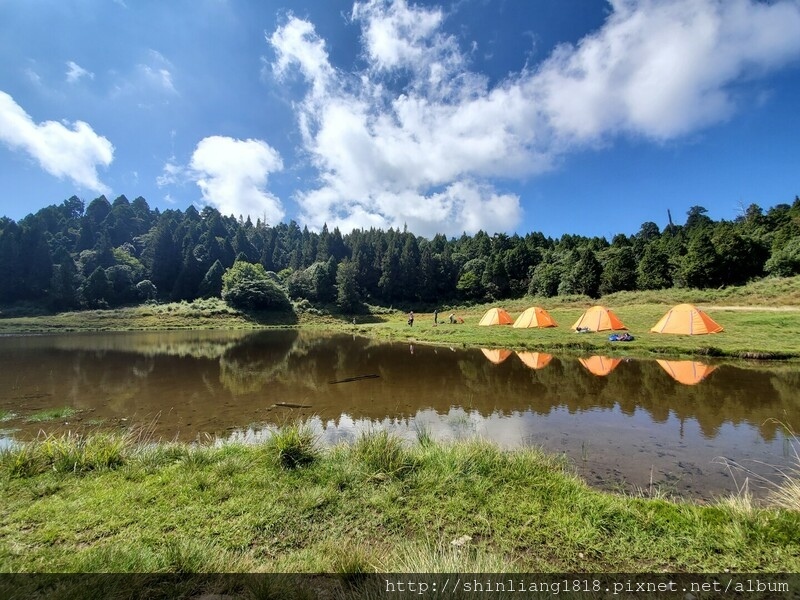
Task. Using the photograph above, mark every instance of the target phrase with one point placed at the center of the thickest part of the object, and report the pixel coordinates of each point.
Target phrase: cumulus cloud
(65, 150)
(664, 68)
(232, 176)
(75, 72)
(434, 152)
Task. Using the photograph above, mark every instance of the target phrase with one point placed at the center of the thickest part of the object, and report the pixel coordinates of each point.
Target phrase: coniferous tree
(619, 270)
(323, 280)
(741, 257)
(211, 285)
(35, 262)
(348, 298)
(64, 283)
(653, 271)
(121, 285)
(428, 275)
(409, 269)
(545, 277)
(700, 267)
(389, 282)
(162, 255)
(785, 261)
(10, 264)
(588, 271)
(96, 289)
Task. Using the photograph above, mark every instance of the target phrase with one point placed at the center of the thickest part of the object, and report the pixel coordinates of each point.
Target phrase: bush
(247, 286)
(294, 446)
(383, 454)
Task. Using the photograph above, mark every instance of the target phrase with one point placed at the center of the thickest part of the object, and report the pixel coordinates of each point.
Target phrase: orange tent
(686, 319)
(687, 372)
(496, 316)
(496, 356)
(535, 317)
(600, 365)
(535, 360)
(599, 318)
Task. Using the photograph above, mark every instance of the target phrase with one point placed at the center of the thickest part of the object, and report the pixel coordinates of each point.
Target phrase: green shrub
(23, 460)
(247, 286)
(383, 454)
(294, 446)
(68, 453)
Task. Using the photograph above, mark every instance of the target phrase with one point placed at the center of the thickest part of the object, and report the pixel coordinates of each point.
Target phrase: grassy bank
(755, 333)
(106, 503)
(761, 321)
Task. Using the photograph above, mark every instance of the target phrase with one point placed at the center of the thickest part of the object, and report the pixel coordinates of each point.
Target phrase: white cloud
(159, 78)
(298, 43)
(152, 76)
(664, 68)
(75, 72)
(171, 174)
(33, 77)
(656, 68)
(71, 151)
(396, 35)
(232, 176)
(384, 161)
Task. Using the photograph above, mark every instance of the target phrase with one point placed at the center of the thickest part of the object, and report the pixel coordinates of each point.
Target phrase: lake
(625, 424)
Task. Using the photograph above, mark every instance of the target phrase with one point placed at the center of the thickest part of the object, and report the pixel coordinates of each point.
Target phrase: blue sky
(561, 116)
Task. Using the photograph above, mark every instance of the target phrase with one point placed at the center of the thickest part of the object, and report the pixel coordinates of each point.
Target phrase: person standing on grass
(435, 316)
(411, 319)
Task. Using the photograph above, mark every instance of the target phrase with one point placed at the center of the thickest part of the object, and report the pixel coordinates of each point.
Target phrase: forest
(74, 256)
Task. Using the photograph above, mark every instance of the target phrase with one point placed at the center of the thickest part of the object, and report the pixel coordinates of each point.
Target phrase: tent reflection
(687, 372)
(496, 355)
(535, 360)
(600, 365)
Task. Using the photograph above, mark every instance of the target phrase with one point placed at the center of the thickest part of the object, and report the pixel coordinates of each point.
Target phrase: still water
(623, 424)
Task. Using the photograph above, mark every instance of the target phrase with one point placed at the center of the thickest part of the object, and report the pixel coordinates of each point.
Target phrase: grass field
(756, 333)
(108, 503)
(761, 320)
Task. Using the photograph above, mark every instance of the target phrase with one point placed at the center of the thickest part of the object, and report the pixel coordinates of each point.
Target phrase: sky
(585, 117)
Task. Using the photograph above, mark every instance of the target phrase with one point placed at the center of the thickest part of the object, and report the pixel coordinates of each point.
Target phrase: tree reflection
(236, 378)
(250, 365)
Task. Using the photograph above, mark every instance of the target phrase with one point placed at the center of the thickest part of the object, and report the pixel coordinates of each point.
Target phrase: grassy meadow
(761, 321)
(108, 503)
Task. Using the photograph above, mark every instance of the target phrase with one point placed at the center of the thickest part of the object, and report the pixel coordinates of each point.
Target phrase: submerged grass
(783, 493)
(787, 493)
(104, 504)
(51, 414)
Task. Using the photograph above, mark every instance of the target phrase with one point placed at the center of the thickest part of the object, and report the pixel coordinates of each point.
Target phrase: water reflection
(496, 356)
(535, 360)
(600, 365)
(687, 372)
(616, 419)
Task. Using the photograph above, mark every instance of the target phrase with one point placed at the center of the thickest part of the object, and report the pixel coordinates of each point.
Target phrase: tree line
(108, 254)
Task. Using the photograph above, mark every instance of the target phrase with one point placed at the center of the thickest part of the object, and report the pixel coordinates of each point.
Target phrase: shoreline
(104, 503)
(766, 333)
